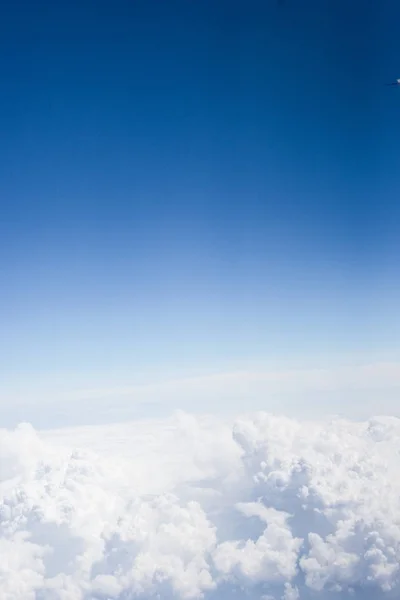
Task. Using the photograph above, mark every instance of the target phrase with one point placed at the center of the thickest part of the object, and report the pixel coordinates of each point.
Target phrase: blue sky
(196, 185)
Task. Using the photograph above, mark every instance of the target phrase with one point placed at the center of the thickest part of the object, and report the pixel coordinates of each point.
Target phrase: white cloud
(265, 507)
(356, 392)
(255, 383)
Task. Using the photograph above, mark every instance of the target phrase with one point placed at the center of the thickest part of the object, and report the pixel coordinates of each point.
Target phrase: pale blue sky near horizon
(196, 186)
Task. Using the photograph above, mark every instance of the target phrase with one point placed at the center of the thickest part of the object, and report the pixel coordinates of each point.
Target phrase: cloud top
(186, 508)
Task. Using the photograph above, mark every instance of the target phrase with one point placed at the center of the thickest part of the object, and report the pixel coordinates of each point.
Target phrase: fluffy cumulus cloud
(262, 508)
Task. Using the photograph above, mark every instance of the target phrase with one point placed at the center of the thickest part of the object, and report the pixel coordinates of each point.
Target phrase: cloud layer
(265, 507)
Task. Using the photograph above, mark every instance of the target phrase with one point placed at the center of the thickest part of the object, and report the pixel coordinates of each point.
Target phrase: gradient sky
(196, 183)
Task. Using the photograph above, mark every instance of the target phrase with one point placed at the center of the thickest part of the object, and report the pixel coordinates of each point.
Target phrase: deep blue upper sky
(196, 180)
